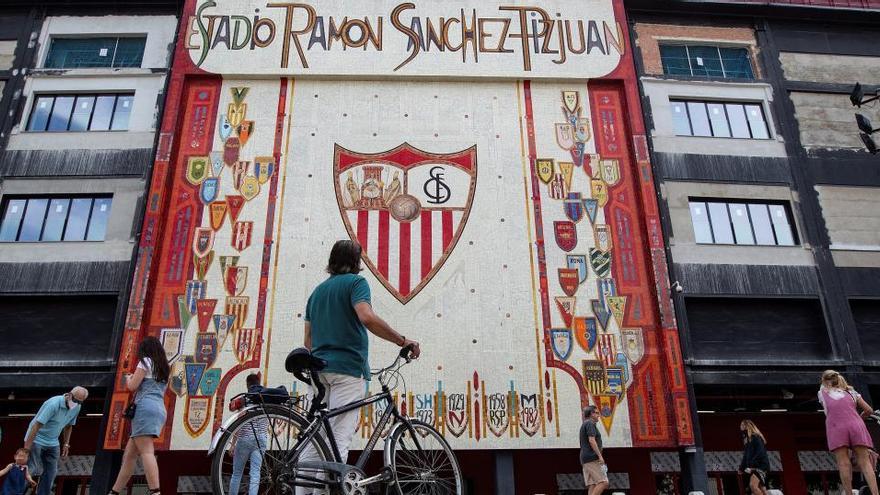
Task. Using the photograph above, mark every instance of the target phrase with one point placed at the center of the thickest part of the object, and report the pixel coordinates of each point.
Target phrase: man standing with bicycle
(337, 318)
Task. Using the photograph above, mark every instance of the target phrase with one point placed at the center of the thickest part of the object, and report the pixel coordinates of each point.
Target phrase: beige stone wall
(852, 216)
(649, 37)
(834, 69)
(7, 54)
(828, 120)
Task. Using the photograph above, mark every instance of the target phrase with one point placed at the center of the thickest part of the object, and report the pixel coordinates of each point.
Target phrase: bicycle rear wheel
(424, 464)
(265, 436)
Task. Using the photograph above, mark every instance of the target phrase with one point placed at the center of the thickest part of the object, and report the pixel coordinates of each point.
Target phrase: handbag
(130, 410)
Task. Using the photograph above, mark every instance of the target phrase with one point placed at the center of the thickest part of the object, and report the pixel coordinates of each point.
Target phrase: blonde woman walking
(755, 461)
(846, 429)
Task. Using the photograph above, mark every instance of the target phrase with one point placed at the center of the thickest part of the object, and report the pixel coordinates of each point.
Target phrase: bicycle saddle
(301, 363)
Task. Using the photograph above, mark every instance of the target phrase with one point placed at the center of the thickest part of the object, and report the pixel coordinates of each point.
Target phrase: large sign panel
(417, 39)
(508, 224)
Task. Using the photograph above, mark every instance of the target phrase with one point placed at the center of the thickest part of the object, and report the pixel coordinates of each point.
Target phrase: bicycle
(416, 457)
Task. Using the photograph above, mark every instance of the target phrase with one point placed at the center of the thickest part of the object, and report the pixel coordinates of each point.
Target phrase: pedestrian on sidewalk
(148, 382)
(595, 469)
(18, 477)
(846, 429)
(755, 462)
(55, 418)
(249, 444)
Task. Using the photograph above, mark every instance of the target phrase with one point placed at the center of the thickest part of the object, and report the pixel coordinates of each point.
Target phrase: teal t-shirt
(338, 336)
(54, 416)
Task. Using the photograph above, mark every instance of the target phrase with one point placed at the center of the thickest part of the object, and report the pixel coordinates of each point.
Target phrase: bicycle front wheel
(254, 451)
(424, 462)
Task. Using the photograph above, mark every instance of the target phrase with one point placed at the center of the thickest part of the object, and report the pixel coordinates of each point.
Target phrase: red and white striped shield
(407, 208)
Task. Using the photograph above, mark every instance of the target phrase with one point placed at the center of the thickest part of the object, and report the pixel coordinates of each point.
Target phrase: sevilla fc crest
(407, 208)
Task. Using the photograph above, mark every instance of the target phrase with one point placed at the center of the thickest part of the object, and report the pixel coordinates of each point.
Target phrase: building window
(742, 222)
(719, 119)
(47, 219)
(110, 52)
(706, 61)
(62, 113)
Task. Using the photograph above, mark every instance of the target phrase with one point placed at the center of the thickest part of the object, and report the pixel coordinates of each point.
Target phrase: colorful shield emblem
(206, 348)
(222, 327)
(204, 310)
(594, 376)
(227, 261)
(197, 169)
(602, 314)
(210, 381)
(194, 372)
(558, 189)
(566, 235)
(250, 187)
(235, 204)
(566, 307)
(529, 414)
(218, 214)
(224, 129)
(571, 100)
(195, 290)
(238, 308)
(231, 151)
(633, 341)
(203, 241)
(561, 342)
(607, 288)
(415, 203)
(177, 378)
(565, 136)
(217, 163)
(609, 169)
(601, 262)
(567, 171)
(172, 341)
(235, 280)
(617, 306)
(498, 412)
(591, 207)
(574, 207)
(582, 131)
(239, 172)
(585, 332)
(209, 189)
(202, 264)
(568, 280)
(456, 414)
(264, 167)
(241, 235)
(196, 414)
(545, 168)
(245, 131)
(599, 191)
(235, 112)
(245, 343)
(579, 263)
(607, 404)
(614, 380)
(602, 235)
(606, 350)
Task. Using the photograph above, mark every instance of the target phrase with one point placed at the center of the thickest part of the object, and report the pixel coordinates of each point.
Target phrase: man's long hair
(345, 257)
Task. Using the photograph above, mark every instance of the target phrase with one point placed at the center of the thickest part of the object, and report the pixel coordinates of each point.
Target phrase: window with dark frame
(709, 61)
(719, 119)
(55, 218)
(80, 112)
(100, 52)
(743, 222)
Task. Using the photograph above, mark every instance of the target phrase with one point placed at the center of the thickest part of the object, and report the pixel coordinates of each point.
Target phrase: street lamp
(867, 129)
(857, 97)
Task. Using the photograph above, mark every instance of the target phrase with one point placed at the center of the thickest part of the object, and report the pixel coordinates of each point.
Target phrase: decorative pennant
(196, 169)
(599, 191)
(224, 129)
(250, 187)
(594, 376)
(245, 131)
(545, 169)
(235, 112)
(245, 344)
(238, 307)
(585, 332)
(561, 343)
(203, 241)
(579, 263)
(569, 280)
(571, 101)
(633, 344)
(235, 280)
(235, 204)
(264, 168)
(183, 313)
(204, 310)
(177, 378)
(567, 170)
(617, 305)
(209, 189)
(606, 350)
(606, 404)
(206, 348)
(602, 314)
(601, 262)
(239, 172)
(591, 206)
(609, 170)
(574, 207)
(194, 372)
(172, 342)
(217, 163)
(566, 235)
(241, 235)
(602, 236)
(227, 261)
(222, 326)
(566, 307)
(238, 96)
(210, 381)
(202, 264)
(218, 214)
(196, 413)
(231, 151)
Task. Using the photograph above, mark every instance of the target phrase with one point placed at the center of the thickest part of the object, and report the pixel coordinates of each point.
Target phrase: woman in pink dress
(846, 428)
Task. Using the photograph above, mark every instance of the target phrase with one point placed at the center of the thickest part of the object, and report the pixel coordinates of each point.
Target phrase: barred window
(55, 218)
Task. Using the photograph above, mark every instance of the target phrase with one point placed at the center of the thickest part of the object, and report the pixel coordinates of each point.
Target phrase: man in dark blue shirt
(595, 471)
